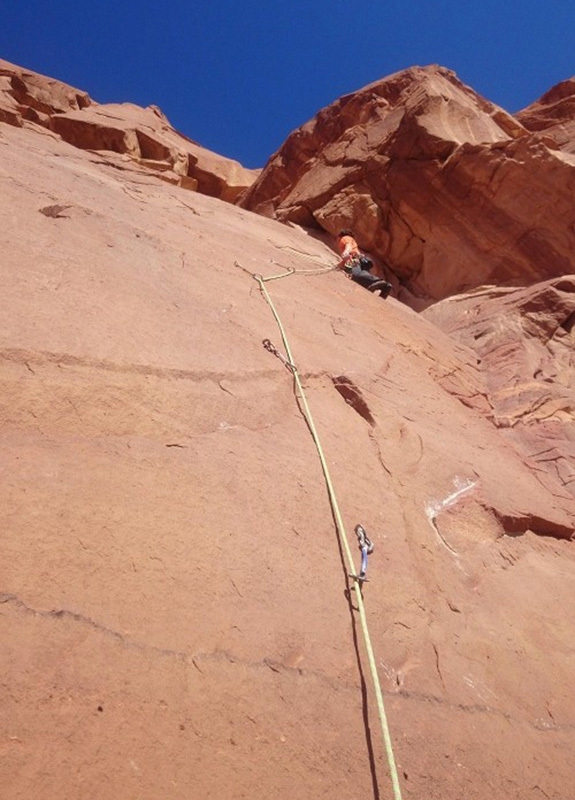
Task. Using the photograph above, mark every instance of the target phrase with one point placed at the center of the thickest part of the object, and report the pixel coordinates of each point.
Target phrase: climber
(357, 266)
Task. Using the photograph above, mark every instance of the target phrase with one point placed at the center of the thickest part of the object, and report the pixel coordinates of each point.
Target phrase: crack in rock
(518, 525)
(353, 397)
(266, 664)
(62, 613)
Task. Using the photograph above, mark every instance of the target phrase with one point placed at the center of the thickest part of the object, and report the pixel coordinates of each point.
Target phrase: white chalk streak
(462, 487)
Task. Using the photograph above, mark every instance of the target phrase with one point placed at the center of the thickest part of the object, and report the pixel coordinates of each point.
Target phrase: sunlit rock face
(525, 343)
(554, 115)
(174, 613)
(144, 135)
(445, 188)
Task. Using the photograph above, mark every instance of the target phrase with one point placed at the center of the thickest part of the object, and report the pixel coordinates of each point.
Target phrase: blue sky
(238, 77)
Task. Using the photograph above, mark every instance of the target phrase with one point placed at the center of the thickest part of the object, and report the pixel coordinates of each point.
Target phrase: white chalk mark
(462, 487)
(225, 426)
(484, 693)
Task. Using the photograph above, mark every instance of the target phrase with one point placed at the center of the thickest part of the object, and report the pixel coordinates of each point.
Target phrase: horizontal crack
(41, 358)
(225, 656)
(477, 708)
(63, 613)
(266, 664)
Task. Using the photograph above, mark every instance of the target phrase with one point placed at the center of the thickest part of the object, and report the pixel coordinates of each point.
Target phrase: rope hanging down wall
(357, 583)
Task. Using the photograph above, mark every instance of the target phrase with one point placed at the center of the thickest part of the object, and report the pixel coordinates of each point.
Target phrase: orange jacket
(348, 248)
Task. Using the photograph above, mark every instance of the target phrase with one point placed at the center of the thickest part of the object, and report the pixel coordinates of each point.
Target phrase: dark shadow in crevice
(520, 525)
(353, 397)
(569, 323)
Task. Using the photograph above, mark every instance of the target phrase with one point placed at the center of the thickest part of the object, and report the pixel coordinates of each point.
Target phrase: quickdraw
(273, 349)
(366, 547)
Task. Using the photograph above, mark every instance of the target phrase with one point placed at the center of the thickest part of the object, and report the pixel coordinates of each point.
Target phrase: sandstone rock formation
(525, 341)
(27, 97)
(141, 134)
(173, 614)
(554, 115)
(436, 181)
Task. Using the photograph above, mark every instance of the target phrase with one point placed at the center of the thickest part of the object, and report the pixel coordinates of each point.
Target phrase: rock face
(554, 115)
(435, 181)
(26, 97)
(173, 611)
(525, 341)
(141, 134)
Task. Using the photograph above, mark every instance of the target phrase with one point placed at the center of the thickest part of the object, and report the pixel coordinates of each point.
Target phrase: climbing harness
(358, 582)
(350, 264)
(366, 548)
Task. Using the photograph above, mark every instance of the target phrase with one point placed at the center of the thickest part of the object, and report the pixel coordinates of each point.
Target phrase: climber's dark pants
(362, 276)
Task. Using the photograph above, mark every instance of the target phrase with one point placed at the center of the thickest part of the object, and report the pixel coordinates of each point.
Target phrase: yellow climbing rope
(340, 529)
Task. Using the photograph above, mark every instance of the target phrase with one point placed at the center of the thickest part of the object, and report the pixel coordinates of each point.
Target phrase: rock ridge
(435, 181)
(142, 135)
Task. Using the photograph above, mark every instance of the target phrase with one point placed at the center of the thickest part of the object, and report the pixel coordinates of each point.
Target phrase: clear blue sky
(238, 77)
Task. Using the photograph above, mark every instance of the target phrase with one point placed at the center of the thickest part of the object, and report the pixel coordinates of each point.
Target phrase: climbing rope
(288, 271)
(357, 579)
